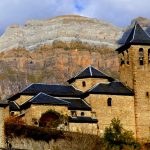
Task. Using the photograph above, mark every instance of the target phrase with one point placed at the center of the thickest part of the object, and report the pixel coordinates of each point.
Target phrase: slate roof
(113, 88)
(50, 89)
(77, 104)
(43, 98)
(13, 106)
(89, 72)
(137, 36)
(3, 103)
(82, 120)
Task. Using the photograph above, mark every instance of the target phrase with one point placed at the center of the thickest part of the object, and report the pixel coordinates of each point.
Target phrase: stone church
(91, 99)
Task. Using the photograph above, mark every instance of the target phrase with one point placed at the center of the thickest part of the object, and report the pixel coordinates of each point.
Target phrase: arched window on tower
(122, 61)
(127, 57)
(149, 56)
(109, 102)
(141, 56)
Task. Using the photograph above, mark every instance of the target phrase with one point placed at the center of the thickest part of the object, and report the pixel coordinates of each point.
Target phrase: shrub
(36, 133)
(58, 44)
(115, 136)
(15, 120)
(51, 119)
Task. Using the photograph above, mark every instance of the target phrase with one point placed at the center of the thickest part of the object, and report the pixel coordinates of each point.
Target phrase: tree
(116, 137)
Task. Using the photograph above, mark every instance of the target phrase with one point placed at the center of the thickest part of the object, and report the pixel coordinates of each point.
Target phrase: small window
(147, 94)
(109, 102)
(73, 113)
(83, 83)
(66, 123)
(122, 61)
(127, 58)
(141, 56)
(149, 56)
(82, 113)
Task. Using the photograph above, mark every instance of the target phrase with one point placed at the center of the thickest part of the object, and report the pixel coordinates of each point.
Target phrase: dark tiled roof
(3, 103)
(43, 98)
(54, 90)
(89, 72)
(137, 36)
(113, 88)
(14, 97)
(77, 104)
(13, 106)
(82, 120)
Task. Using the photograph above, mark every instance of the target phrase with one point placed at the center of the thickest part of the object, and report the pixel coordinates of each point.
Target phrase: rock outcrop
(65, 28)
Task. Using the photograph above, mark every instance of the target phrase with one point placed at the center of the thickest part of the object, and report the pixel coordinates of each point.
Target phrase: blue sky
(118, 12)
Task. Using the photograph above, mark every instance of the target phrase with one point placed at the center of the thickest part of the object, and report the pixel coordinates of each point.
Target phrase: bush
(36, 133)
(15, 120)
(58, 44)
(115, 136)
(51, 119)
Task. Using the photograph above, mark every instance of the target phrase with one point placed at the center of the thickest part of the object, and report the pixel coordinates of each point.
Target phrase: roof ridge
(86, 102)
(49, 96)
(90, 68)
(16, 104)
(26, 87)
(93, 87)
(134, 32)
(81, 71)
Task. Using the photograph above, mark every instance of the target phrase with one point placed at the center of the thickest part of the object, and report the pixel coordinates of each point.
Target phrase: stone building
(92, 99)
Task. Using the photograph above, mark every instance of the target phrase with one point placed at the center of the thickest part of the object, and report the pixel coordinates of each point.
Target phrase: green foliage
(66, 48)
(59, 44)
(33, 132)
(116, 137)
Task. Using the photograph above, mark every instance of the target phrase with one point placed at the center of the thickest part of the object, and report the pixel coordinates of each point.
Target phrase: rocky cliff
(65, 28)
(53, 50)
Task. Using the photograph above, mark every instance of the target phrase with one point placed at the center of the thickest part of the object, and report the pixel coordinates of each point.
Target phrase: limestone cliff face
(19, 67)
(64, 28)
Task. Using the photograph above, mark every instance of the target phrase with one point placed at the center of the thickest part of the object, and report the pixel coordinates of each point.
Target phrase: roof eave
(125, 94)
(126, 46)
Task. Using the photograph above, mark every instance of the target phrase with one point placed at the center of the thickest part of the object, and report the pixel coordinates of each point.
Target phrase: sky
(117, 12)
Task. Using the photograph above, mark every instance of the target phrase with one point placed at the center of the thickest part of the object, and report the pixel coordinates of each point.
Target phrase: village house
(92, 98)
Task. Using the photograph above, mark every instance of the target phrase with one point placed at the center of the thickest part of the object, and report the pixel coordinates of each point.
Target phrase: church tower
(134, 58)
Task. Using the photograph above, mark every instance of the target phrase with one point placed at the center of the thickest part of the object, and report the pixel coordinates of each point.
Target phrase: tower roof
(137, 36)
(89, 72)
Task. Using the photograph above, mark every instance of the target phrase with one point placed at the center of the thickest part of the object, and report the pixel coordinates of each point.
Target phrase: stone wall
(86, 128)
(122, 108)
(137, 77)
(2, 135)
(142, 92)
(22, 99)
(90, 82)
(126, 70)
(35, 112)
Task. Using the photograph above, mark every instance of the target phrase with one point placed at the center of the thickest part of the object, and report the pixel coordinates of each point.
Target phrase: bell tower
(134, 58)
